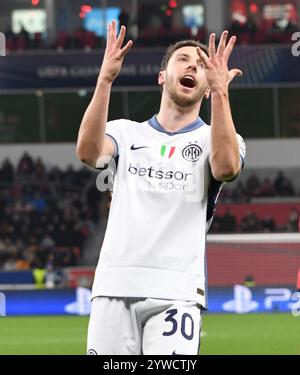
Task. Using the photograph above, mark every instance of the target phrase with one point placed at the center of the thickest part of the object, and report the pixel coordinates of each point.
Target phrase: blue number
(183, 331)
(170, 318)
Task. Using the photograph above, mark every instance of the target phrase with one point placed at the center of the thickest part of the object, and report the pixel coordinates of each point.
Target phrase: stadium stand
(45, 217)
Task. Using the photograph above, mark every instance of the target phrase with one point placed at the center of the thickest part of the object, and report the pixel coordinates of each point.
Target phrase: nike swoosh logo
(174, 353)
(137, 148)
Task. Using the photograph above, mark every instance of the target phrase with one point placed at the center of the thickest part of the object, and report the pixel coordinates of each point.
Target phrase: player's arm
(92, 142)
(225, 159)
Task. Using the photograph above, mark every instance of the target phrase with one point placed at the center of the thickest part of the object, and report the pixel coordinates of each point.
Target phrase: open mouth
(188, 81)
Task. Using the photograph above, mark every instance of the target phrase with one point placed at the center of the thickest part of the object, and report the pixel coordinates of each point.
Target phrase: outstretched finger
(229, 48)
(113, 30)
(212, 45)
(108, 36)
(126, 48)
(121, 37)
(203, 57)
(222, 43)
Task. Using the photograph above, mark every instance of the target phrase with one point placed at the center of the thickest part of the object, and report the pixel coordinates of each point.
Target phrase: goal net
(244, 268)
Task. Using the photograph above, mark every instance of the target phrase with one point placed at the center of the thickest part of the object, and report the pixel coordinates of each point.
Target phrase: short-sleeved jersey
(163, 201)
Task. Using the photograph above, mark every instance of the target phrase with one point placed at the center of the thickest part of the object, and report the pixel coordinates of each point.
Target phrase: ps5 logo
(2, 44)
(274, 299)
(82, 304)
(2, 304)
(242, 302)
(296, 46)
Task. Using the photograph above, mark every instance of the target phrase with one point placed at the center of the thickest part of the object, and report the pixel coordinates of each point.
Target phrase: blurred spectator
(240, 193)
(253, 184)
(283, 186)
(228, 224)
(292, 224)
(39, 274)
(245, 30)
(266, 189)
(7, 171)
(22, 263)
(249, 281)
(250, 223)
(268, 224)
(25, 165)
(124, 18)
(10, 264)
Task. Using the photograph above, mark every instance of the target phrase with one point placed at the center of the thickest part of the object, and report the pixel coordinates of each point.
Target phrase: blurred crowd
(154, 29)
(253, 187)
(252, 223)
(45, 214)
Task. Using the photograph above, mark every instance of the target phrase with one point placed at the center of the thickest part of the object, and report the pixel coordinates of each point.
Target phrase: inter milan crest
(192, 152)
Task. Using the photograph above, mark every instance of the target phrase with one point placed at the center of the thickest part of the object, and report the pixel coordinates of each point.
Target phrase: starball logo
(2, 45)
(296, 46)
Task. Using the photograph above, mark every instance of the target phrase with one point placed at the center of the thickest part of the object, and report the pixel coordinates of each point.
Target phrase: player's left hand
(216, 64)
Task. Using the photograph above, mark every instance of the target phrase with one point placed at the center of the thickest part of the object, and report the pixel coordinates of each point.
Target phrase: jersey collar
(193, 126)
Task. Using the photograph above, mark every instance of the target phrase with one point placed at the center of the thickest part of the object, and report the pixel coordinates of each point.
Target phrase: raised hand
(216, 64)
(114, 53)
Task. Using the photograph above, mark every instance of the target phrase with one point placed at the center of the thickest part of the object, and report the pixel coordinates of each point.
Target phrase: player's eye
(182, 59)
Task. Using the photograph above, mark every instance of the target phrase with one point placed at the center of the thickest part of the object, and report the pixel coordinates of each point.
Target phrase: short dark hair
(174, 47)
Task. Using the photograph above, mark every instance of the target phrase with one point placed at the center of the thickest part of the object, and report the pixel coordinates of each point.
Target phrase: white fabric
(154, 244)
(130, 326)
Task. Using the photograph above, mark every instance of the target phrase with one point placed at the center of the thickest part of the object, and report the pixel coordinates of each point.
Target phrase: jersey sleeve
(242, 149)
(114, 130)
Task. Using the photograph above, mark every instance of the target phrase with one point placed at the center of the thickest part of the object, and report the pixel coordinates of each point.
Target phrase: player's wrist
(219, 90)
(105, 80)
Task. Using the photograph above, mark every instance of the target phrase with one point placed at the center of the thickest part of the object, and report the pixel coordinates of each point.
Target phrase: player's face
(184, 78)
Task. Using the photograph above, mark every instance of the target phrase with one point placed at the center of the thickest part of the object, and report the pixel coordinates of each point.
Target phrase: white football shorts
(143, 326)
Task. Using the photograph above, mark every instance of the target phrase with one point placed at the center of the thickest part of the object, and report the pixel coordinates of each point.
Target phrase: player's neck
(173, 118)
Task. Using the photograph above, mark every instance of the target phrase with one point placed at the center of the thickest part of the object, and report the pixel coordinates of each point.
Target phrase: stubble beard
(184, 100)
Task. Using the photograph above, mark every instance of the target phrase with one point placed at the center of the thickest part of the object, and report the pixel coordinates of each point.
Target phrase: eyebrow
(186, 55)
(183, 54)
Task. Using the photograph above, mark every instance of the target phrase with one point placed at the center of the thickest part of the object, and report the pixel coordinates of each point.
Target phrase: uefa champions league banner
(262, 65)
(238, 299)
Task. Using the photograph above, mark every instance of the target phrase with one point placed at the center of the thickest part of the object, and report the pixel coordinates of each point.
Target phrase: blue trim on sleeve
(116, 152)
(193, 126)
(212, 197)
(242, 161)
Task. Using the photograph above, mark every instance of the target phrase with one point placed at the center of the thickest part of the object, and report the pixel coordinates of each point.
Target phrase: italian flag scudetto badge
(163, 151)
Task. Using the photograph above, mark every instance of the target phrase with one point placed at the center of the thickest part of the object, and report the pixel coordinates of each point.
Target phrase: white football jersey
(163, 201)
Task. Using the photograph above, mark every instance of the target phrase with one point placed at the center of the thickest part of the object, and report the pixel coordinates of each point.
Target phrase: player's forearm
(225, 159)
(92, 129)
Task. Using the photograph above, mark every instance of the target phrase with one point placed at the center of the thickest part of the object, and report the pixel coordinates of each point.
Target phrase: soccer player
(150, 284)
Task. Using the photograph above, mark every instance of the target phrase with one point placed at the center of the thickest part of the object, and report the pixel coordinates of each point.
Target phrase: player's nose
(193, 67)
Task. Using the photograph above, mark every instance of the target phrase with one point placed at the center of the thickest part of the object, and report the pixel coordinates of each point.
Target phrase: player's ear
(207, 93)
(161, 77)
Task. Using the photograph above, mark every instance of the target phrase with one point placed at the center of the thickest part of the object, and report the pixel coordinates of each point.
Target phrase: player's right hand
(114, 53)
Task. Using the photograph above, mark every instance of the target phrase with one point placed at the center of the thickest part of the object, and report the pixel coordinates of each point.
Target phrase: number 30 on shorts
(186, 324)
